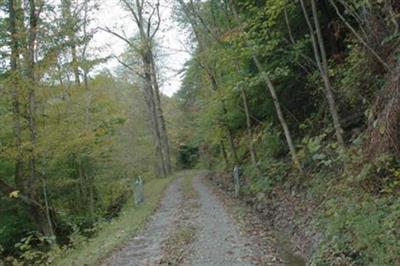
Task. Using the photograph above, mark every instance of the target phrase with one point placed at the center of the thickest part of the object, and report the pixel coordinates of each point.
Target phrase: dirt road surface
(193, 230)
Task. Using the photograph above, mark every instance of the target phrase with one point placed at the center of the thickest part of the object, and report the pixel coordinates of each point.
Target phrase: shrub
(361, 231)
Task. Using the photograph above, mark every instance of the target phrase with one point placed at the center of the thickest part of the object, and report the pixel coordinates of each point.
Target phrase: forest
(303, 96)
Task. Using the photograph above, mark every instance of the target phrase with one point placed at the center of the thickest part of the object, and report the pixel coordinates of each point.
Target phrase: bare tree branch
(158, 20)
(125, 39)
(363, 42)
(133, 12)
(129, 67)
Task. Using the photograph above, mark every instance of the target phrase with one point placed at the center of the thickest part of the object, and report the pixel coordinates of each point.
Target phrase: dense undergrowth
(89, 246)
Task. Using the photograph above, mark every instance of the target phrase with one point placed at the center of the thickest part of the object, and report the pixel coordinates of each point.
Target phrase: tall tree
(146, 15)
(322, 63)
(33, 183)
(14, 11)
(271, 89)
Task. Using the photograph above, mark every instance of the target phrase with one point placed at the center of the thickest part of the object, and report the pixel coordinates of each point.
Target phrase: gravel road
(218, 240)
(146, 248)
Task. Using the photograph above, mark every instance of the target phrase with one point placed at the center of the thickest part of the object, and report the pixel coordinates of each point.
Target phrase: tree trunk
(383, 122)
(75, 62)
(279, 112)
(38, 214)
(151, 90)
(47, 209)
(223, 122)
(154, 118)
(252, 150)
(163, 130)
(322, 64)
(87, 188)
(15, 81)
(43, 224)
(271, 89)
(230, 133)
(92, 202)
(225, 156)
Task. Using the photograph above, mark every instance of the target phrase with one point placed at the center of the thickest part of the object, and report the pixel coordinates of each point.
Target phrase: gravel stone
(145, 248)
(218, 241)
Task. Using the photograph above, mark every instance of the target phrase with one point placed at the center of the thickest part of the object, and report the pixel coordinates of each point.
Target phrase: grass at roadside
(118, 231)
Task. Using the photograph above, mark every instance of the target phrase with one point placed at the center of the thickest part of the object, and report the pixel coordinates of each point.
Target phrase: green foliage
(187, 156)
(274, 173)
(13, 225)
(271, 144)
(361, 230)
(87, 167)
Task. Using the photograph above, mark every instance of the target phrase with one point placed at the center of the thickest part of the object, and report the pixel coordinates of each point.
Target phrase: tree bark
(38, 214)
(160, 114)
(230, 133)
(75, 63)
(281, 117)
(155, 119)
(15, 81)
(225, 156)
(252, 150)
(383, 122)
(322, 63)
